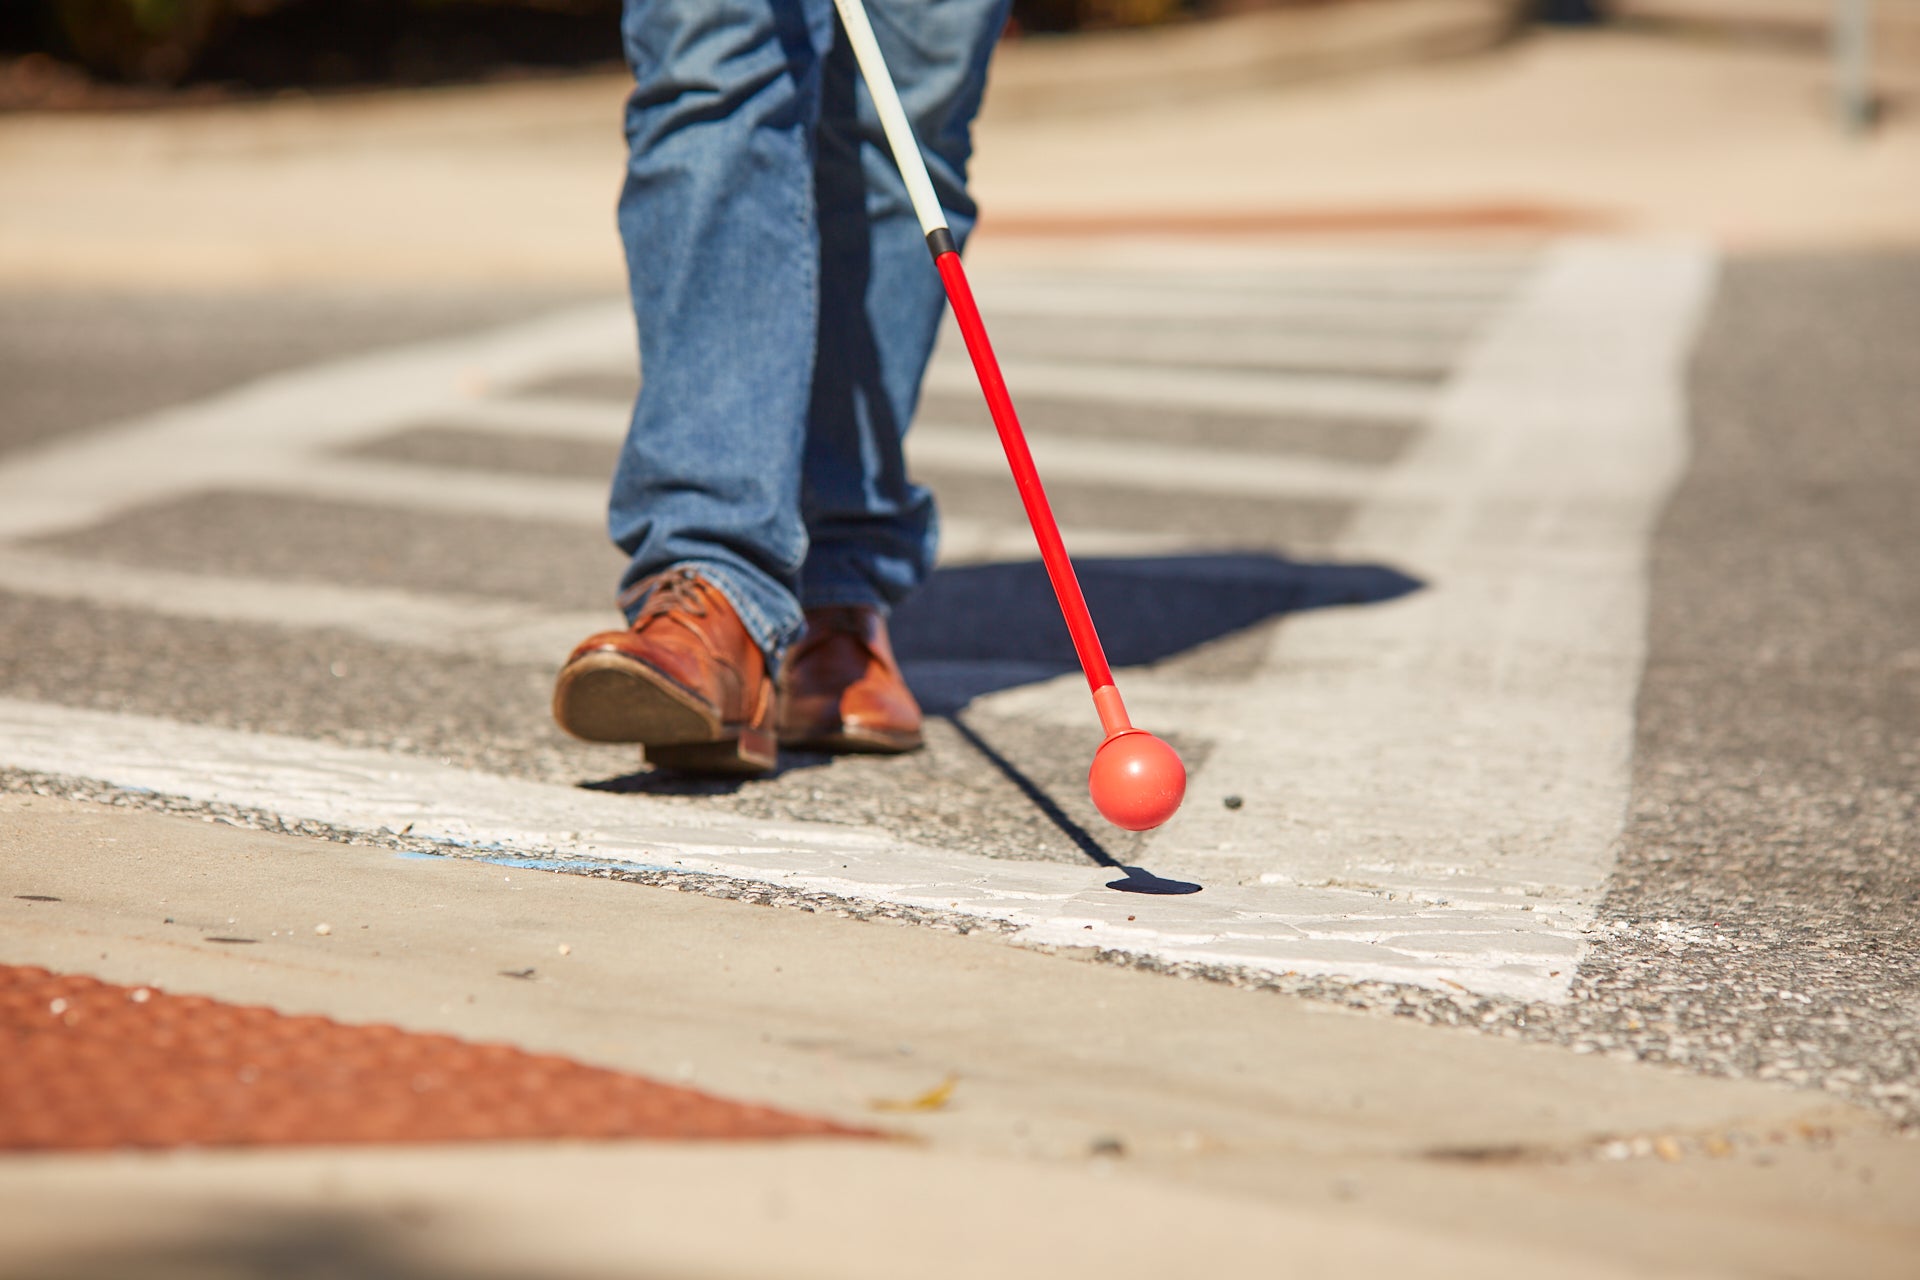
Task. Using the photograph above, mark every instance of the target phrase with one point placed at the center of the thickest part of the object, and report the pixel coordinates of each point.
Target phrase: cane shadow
(973, 630)
(1136, 879)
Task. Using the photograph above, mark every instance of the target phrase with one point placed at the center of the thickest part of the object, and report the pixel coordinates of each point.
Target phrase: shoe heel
(752, 751)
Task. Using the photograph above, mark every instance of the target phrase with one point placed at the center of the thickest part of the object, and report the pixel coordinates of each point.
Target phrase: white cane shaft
(906, 152)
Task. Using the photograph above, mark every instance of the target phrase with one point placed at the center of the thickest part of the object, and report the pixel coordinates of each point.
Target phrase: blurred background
(211, 143)
(70, 53)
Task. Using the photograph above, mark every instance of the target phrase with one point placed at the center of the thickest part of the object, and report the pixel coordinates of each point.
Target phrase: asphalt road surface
(1540, 626)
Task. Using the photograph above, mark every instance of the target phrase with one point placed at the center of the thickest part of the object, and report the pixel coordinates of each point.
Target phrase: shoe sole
(608, 697)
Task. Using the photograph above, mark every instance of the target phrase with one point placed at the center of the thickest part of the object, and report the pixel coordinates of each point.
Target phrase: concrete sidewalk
(1104, 1122)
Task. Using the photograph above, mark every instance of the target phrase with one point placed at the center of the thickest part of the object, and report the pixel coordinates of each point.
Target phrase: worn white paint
(1230, 390)
(1496, 948)
(1273, 297)
(280, 424)
(1470, 742)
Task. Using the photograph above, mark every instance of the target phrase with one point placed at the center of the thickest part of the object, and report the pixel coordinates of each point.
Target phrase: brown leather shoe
(841, 690)
(685, 681)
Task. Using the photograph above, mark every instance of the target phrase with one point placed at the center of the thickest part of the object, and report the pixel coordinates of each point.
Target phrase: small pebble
(1233, 802)
(323, 929)
(1107, 1145)
(565, 950)
(140, 995)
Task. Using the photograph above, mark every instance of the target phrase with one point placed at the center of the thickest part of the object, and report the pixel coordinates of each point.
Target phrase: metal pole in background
(1853, 64)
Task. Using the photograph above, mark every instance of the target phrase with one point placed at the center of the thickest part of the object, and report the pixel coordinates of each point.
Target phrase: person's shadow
(976, 629)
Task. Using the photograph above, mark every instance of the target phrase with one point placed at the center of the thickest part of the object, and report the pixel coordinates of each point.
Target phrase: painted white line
(1238, 390)
(1189, 469)
(272, 426)
(1371, 270)
(1201, 260)
(505, 631)
(967, 541)
(1473, 739)
(552, 417)
(1497, 949)
(1109, 299)
(1159, 342)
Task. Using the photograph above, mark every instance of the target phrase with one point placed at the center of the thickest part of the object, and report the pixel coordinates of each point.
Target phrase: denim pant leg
(872, 533)
(718, 219)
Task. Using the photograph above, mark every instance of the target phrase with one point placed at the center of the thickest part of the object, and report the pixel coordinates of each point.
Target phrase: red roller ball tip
(1137, 780)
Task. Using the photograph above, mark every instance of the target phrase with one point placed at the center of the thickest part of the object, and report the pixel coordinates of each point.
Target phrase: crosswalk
(1367, 528)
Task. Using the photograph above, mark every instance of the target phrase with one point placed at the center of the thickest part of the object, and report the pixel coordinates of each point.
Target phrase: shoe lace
(675, 592)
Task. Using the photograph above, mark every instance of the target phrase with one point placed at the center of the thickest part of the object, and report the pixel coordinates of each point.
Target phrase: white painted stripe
(1161, 468)
(1019, 296)
(1201, 261)
(1178, 344)
(1268, 270)
(1495, 948)
(271, 426)
(550, 417)
(967, 541)
(1230, 389)
(1471, 740)
(503, 630)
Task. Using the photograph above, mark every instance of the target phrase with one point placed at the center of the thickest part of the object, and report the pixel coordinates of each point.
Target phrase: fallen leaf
(933, 1099)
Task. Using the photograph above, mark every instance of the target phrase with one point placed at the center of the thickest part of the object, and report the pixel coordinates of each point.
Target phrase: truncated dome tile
(86, 1064)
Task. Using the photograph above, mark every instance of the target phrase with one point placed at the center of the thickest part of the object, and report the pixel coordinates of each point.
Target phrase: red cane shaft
(1053, 552)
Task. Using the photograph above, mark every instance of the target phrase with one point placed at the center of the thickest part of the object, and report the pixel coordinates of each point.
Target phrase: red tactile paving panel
(89, 1065)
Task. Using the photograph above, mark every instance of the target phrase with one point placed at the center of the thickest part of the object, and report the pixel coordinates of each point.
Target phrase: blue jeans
(786, 301)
